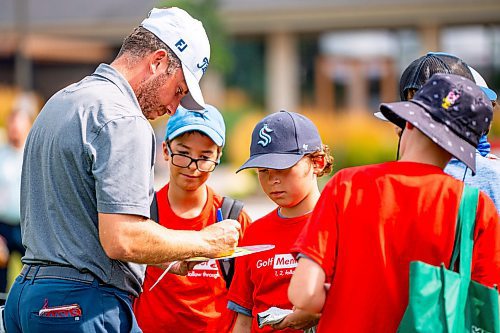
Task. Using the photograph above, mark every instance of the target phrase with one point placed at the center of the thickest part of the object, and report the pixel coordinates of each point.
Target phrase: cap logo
(450, 99)
(181, 45)
(199, 114)
(263, 134)
(203, 65)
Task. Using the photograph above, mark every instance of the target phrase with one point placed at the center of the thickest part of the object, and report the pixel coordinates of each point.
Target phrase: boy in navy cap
(372, 221)
(289, 156)
(196, 302)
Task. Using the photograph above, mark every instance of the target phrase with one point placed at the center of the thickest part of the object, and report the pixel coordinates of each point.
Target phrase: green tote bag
(441, 300)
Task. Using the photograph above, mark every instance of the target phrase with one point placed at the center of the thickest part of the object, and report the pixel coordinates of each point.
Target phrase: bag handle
(464, 234)
(464, 244)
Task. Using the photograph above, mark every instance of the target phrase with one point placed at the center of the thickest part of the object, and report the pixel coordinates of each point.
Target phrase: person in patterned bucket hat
(441, 110)
(371, 221)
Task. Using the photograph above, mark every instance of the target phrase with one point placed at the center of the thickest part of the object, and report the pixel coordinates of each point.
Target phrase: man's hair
(142, 42)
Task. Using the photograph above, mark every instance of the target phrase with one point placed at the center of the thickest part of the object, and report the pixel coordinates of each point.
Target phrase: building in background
(342, 56)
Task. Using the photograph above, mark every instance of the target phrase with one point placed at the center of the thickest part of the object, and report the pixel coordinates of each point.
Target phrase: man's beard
(148, 97)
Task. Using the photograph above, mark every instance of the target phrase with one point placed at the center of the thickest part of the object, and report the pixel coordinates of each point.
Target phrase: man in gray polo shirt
(87, 184)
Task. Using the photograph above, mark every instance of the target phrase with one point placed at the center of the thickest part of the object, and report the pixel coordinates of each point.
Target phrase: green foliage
(221, 58)
(362, 154)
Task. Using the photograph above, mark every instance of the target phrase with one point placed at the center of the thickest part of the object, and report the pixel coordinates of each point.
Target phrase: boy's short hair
(280, 140)
(208, 121)
(449, 109)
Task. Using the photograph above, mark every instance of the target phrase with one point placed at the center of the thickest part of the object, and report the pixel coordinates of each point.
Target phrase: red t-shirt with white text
(371, 222)
(193, 303)
(261, 280)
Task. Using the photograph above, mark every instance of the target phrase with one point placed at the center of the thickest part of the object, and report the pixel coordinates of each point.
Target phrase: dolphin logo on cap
(263, 134)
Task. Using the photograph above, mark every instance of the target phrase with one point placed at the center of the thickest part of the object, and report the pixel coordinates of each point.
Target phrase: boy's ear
(319, 163)
(166, 155)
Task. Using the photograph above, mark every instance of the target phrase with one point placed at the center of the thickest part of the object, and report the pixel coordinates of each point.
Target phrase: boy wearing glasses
(195, 302)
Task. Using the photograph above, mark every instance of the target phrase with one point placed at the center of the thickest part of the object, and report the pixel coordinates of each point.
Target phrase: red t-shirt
(193, 303)
(371, 222)
(261, 280)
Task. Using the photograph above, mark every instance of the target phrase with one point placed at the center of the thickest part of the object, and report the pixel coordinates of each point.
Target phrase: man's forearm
(143, 241)
(154, 244)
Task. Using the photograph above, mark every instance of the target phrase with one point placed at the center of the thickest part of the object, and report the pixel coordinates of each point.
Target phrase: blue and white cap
(482, 84)
(208, 121)
(280, 140)
(187, 38)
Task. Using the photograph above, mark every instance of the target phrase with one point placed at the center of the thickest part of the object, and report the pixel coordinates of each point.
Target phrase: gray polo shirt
(90, 150)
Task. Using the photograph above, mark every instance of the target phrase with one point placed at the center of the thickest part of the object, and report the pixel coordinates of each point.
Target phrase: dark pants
(12, 235)
(103, 308)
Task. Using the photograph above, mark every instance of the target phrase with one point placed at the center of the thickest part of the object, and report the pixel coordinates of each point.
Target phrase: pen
(163, 274)
(219, 215)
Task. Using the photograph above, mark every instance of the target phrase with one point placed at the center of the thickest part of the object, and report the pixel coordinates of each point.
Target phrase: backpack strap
(153, 209)
(231, 209)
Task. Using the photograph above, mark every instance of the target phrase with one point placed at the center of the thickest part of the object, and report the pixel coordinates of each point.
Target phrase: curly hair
(325, 153)
(142, 42)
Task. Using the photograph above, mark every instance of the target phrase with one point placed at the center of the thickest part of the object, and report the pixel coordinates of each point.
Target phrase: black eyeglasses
(184, 161)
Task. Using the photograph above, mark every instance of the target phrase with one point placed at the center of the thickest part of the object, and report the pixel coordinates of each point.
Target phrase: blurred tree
(221, 58)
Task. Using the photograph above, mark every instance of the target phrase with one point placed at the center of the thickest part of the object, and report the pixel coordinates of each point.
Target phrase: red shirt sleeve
(318, 239)
(486, 254)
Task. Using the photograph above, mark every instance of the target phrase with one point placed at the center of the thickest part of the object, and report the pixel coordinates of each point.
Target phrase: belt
(33, 272)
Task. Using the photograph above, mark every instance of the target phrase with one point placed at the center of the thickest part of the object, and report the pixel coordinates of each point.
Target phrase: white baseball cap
(187, 38)
(482, 84)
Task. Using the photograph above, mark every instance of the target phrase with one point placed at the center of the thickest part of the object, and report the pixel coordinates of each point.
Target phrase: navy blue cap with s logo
(280, 140)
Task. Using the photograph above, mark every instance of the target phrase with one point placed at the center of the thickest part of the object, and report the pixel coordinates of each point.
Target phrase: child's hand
(299, 320)
(222, 238)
